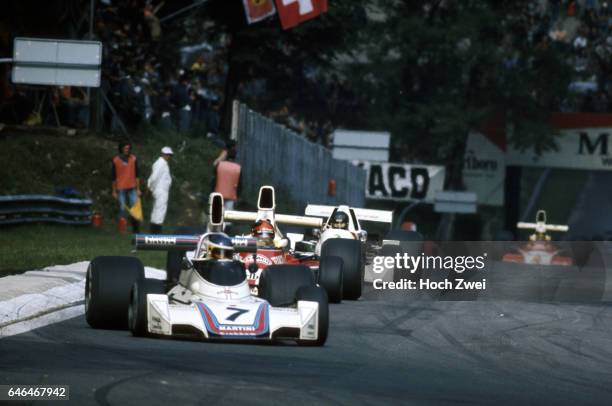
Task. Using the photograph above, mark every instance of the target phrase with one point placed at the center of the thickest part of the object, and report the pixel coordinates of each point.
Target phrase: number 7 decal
(239, 312)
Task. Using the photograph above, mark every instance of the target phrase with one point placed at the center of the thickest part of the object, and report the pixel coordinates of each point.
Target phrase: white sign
(484, 169)
(56, 62)
(455, 202)
(578, 148)
(402, 182)
(361, 145)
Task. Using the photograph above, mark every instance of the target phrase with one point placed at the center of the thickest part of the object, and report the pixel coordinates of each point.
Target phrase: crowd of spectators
(143, 81)
(582, 31)
(143, 85)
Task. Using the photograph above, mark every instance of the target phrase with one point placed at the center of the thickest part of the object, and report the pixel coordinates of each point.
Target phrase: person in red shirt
(227, 177)
(126, 184)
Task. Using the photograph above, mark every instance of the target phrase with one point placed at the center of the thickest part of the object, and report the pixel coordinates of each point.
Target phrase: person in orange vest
(227, 178)
(126, 184)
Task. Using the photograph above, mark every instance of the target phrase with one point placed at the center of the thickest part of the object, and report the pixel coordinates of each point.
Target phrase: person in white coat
(159, 184)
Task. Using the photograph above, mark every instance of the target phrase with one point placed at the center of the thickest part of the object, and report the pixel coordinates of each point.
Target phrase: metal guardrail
(271, 154)
(20, 209)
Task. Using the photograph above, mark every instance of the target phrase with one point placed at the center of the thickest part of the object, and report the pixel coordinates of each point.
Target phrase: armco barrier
(271, 154)
(41, 208)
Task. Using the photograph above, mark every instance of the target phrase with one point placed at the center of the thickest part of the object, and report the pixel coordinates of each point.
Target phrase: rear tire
(353, 267)
(316, 294)
(108, 284)
(330, 277)
(408, 242)
(138, 311)
(279, 283)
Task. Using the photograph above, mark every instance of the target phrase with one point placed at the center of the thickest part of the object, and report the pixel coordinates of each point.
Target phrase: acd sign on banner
(402, 182)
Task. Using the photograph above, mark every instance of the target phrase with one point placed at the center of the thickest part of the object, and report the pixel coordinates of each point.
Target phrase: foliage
(439, 69)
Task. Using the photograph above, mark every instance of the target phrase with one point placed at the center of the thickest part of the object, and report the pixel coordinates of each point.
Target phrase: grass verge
(38, 164)
(37, 246)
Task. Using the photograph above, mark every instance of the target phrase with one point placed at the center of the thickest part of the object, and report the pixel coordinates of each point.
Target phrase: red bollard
(331, 188)
(122, 225)
(96, 220)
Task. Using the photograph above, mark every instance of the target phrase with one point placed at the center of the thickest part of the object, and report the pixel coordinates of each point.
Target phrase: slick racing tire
(279, 283)
(353, 264)
(174, 259)
(138, 312)
(330, 277)
(403, 242)
(108, 284)
(581, 252)
(316, 294)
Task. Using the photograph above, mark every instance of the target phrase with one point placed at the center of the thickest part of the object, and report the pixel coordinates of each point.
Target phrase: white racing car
(211, 300)
(343, 222)
(342, 236)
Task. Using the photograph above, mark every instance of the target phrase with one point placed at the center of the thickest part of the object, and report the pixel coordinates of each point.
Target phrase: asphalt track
(383, 349)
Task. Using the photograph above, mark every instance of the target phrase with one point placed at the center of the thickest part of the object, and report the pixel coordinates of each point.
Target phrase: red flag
(294, 12)
(257, 10)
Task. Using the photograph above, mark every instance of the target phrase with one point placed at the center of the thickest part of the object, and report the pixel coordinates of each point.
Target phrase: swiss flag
(257, 10)
(293, 12)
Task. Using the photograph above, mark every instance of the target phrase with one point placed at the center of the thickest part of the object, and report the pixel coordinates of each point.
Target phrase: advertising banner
(484, 169)
(579, 148)
(402, 182)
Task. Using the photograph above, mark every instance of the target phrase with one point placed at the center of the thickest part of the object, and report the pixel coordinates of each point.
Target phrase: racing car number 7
(239, 312)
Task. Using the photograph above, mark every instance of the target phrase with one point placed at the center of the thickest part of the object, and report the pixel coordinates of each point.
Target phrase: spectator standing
(125, 181)
(182, 100)
(159, 184)
(229, 146)
(150, 16)
(227, 178)
(165, 109)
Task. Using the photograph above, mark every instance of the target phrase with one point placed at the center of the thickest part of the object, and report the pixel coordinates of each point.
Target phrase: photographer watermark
(453, 266)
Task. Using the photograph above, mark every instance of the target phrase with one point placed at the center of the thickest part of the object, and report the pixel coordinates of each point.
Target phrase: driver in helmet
(263, 230)
(339, 220)
(215, 262)
(219, 247)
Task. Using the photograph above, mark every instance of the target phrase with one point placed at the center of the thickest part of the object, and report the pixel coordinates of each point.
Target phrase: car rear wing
(381, 216)
(547, 227)
(540, 225)
(178, 242)
(247, 216)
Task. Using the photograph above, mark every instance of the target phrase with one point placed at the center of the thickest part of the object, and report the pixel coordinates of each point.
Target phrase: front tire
(330, 277)
(353, 264)
(316, 294)
(138, 311)
(279, 283)
(107, 290)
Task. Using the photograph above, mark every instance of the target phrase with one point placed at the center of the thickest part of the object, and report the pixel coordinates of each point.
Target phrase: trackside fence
(271, 154)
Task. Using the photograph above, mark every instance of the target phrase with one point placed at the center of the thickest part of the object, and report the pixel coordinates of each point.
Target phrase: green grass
(38, 164)
(36, 246)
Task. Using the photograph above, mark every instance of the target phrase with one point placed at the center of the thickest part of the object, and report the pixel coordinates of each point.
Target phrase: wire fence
(271, 154)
